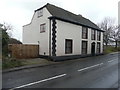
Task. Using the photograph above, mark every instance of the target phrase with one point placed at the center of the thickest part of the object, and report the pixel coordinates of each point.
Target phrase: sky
(119, 13)
(19, 12)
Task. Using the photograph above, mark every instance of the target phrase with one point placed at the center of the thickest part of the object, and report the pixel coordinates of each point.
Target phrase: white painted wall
(68, 31)
(74, 32)
(31, 32)
(101, 42)
(91, 41)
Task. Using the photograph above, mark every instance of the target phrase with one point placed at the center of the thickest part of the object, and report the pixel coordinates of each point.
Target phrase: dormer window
(40, 13)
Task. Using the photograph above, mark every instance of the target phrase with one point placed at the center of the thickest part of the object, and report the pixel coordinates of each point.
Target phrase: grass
(110, 49)
(10, 63)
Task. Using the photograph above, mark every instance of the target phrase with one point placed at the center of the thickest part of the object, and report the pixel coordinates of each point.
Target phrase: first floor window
(42, 28)
(92, 34)
(84, 32)
(98, 35)
(68, 46)
(84, 47)
(98, 47)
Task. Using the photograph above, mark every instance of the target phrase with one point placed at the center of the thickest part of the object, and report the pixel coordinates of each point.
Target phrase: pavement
(92, 72)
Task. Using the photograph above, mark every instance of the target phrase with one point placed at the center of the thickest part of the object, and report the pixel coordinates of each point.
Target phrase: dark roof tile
(66, 15)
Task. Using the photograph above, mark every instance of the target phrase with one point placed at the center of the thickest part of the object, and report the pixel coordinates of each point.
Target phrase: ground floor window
(68, 46)
(98, 47)
(84, 47)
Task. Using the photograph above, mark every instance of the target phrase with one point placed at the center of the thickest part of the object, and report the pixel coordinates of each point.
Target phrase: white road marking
(111, 61)
(39, 81)
(53, 77)
(90, 67)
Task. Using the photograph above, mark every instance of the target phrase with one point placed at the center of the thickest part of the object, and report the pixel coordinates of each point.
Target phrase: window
(84, 47)
(98, 35)
(98, 47)
(40, 13)
(84, 32)
(92, 34)
(68, 46)
(42, 28)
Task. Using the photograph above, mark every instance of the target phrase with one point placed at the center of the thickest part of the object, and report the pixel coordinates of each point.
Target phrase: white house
(62, 34)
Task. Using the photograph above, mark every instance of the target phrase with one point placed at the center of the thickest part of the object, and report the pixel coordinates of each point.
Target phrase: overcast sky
(19, 12)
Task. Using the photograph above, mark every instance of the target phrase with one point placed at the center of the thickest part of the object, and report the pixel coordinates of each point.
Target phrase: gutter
(73, 22)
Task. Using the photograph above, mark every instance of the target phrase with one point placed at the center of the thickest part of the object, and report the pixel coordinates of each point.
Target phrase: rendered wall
(71, 31)
(32, 35)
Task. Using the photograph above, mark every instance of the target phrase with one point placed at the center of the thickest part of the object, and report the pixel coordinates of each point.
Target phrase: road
(91, 72)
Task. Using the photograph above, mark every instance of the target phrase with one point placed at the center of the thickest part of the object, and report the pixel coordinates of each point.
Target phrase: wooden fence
(23, 50)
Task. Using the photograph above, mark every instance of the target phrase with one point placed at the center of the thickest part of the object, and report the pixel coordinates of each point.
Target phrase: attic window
(40, 13)
(42, 28)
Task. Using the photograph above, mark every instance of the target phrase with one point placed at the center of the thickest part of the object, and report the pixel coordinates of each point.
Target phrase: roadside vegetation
(6, 39)
(11, 63)
(111, 49)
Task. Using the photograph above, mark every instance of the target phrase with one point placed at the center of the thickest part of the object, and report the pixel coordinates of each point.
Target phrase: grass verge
(110, 49)
(10, 63)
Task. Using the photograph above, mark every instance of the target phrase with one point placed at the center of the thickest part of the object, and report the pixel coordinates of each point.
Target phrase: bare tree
(5, 29)
(116, 36)
(8, 28)
(108, 25)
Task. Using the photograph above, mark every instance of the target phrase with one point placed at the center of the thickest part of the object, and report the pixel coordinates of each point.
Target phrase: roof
(65, 15)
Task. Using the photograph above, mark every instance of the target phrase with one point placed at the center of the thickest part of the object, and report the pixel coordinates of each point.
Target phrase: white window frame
(40, 13)
(42, 27)
(84, 48)
(93, 34)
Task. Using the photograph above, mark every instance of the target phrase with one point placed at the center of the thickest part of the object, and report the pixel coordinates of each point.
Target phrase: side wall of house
(71, 31)
(32, 35)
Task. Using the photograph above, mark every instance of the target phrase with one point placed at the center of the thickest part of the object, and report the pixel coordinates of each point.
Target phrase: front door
(93, 48)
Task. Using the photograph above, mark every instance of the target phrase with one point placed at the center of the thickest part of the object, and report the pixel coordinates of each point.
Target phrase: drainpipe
(49, 37)
(39, 47)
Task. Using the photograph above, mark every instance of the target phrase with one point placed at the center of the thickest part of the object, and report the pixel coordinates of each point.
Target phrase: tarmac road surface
(91, 72)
